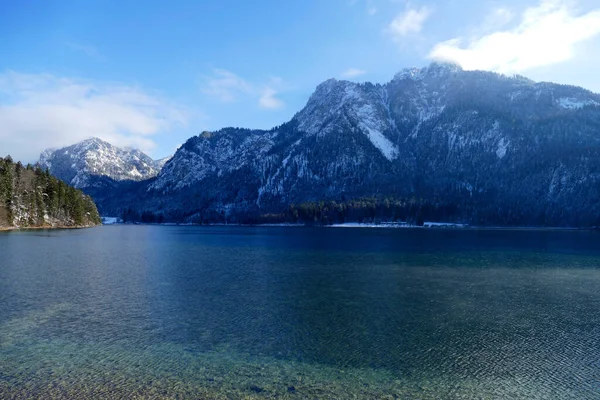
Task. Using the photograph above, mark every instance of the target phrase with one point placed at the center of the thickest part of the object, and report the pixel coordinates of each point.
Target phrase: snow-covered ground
(368, 225)
(110, 220)
(443, 225)
(397, 225)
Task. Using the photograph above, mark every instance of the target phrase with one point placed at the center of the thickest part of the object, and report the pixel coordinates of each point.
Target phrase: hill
(31, 198)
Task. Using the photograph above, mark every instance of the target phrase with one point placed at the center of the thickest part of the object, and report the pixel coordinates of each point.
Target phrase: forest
(31, 197)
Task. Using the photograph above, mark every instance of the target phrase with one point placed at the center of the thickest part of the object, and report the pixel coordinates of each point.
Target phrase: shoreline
(28, 228)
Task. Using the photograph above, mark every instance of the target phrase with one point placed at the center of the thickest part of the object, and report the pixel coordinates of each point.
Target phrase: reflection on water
(167, 312)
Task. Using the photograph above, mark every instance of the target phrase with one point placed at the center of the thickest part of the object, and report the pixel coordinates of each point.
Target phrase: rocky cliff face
(81, 163)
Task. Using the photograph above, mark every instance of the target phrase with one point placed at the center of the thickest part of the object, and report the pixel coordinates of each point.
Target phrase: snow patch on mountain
(571, 103)
(372, 125)
(502, 148)
(386, 147)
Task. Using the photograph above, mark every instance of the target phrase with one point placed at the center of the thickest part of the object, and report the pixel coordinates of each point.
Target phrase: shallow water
(299, 313)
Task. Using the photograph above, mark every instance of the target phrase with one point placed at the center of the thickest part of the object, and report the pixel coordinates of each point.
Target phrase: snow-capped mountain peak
(434, 70)
(94, 157)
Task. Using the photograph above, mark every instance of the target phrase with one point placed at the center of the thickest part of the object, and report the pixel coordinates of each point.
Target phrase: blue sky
(151, 74)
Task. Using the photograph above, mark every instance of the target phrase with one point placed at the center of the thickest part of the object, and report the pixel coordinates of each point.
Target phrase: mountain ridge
(79, 163)
(501, 150)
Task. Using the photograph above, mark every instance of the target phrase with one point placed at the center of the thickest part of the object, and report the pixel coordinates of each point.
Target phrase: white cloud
(546, 34)
(38, 111)
(353, 73)
(370, 7)
(409, 22)
(229, 87)
(268, 99)
(225, 85)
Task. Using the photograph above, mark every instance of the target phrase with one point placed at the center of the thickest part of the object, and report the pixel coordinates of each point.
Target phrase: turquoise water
(299, 313)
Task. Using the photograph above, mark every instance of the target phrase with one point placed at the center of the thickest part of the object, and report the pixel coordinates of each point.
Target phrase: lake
(299, 313)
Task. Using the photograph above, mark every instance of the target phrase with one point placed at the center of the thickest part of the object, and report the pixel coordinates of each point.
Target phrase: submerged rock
(256, 389)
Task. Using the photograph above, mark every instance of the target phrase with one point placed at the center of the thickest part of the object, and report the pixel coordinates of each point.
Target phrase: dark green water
(298, 313)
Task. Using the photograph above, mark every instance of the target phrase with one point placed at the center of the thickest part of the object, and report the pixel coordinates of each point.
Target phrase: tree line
(374, 210)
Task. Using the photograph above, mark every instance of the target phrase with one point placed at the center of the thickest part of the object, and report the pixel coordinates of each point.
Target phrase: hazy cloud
(269, 100)
(408, 22)
(38, 111)
(227, 87)
(497, 19)
(90, 51)
(370, 7)
(546, 34)
(353, 73)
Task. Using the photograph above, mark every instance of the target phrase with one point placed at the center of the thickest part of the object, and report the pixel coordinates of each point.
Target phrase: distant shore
(382, 225)
(435, 225)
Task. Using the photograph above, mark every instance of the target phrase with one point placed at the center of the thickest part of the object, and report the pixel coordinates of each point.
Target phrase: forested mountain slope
(30, 197)
(437, 143)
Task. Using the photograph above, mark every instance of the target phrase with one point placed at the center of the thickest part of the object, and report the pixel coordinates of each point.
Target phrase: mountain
(447, 144)
(83, 163)
(30, 197)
